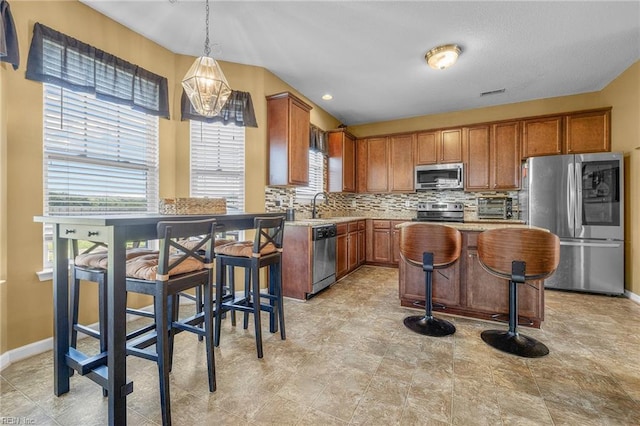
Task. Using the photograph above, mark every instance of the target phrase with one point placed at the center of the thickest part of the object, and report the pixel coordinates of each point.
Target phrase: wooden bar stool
(264, 251)
(517, 255)
(430, 246)
(179, 267)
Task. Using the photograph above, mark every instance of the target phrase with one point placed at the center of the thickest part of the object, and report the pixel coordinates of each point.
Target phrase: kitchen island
(466, 289)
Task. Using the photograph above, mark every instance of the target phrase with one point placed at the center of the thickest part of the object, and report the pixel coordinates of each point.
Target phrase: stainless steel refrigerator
(580, 198)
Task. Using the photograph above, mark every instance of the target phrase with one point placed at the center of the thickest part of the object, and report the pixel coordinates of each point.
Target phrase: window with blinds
(99, 157)
(316, 177)
(217, 162)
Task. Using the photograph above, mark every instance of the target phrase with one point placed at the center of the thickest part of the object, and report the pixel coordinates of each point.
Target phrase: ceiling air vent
(492, 92)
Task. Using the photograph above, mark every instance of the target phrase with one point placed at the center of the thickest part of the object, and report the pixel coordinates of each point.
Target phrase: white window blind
(99, 157)
(217, 162)
(316, 177)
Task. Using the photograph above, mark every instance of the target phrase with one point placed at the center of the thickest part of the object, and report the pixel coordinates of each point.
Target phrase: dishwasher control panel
(321, 232)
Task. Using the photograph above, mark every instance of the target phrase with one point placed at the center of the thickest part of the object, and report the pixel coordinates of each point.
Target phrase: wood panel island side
(466, 289)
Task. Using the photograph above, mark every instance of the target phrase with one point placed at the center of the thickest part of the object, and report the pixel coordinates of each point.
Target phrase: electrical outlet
(407, 203)
(278, 203)
(353, 204)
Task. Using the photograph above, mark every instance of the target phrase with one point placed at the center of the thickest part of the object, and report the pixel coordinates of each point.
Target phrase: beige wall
(26, 302)
(623, 94)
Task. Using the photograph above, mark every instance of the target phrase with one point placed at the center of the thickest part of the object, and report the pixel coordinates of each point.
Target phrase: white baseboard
(632, 296)
(36, 348)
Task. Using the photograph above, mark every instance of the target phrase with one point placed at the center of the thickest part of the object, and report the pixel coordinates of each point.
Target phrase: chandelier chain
(207, 49)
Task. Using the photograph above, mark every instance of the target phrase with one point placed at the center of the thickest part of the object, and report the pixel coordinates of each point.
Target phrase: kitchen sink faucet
(314, 211)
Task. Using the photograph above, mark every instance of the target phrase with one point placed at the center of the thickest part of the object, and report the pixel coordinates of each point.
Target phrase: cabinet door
(477, 149)
(362, 247)
(342, 250)
(401, 149)
(395, 245)
(542, 136)
(445, 284)
(361, 165)
(299, 145)
(427, 147)
(588, 132)
(352, 249)
(505, 156)
(349, 164)
(377, 165)
(451, 146)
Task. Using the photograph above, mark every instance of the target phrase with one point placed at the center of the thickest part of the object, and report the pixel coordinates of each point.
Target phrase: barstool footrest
(514, 343)
(429, 325)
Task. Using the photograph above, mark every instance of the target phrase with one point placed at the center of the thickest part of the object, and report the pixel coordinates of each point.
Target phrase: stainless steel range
(440, 212)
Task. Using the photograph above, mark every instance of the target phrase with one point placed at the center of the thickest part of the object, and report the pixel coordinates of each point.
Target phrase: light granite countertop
(479, 225)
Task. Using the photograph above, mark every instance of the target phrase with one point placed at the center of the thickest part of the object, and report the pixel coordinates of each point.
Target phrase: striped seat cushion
(243, 249)
(98, 258)
(146, 267)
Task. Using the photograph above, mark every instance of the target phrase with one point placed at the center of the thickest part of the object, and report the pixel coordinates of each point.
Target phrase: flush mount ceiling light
(327, 97)
(442, 57)
(205, 84)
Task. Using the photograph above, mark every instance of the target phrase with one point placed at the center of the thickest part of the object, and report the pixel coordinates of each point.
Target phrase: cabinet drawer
(381, 224)
(361, 225)
(353, 226)
(342, 228)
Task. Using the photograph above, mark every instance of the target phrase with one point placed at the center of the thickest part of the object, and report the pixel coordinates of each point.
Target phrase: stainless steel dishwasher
(323, 256)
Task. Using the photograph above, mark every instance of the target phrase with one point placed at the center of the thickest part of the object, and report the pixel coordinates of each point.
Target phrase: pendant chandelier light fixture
(205, 84)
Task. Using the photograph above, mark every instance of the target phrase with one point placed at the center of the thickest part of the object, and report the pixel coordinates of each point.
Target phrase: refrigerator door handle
(571, 199)
(584, 244)
(577, 222)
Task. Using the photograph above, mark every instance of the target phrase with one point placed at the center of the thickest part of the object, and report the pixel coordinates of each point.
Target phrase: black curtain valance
(59, 59)
(237, 110)
(9, 51)
(318, 139)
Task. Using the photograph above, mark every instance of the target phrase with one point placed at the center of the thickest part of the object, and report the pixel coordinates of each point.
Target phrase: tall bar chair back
(180, 266)
(429, 246)
(517, 255)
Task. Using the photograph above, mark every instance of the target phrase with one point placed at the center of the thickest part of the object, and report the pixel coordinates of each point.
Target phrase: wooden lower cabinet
(350, 247)
(465, 288)
(383, 242)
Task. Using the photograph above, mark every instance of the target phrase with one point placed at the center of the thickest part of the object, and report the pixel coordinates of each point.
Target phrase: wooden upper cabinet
(451, 147)
(542, 136)
(376, 156)
(401, 164)
(427, 147)
(492, 156)
(288, 121)
(477, 152)
(505, 156)
(440, 146)
(588, 131)
(342, 162)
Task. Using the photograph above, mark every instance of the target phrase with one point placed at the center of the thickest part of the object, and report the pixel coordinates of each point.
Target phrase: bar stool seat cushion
(98, 258)
(146, 267)
(244, 249)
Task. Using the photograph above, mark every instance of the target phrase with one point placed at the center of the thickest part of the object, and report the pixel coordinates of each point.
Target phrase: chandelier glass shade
(205, 84)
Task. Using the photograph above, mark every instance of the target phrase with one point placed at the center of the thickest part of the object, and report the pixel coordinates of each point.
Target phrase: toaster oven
(495, 208)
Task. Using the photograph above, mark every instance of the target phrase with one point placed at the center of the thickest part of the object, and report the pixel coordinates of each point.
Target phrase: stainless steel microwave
(439, 177)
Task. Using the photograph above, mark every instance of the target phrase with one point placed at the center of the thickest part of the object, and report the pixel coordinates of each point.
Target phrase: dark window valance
(237, 110)
(9, 51)
(318, 139)
(62, 60)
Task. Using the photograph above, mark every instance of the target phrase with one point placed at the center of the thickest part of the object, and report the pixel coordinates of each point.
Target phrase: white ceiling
(370, 54)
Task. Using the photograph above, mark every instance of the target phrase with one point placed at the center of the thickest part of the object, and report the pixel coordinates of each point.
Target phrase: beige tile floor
(348, 359)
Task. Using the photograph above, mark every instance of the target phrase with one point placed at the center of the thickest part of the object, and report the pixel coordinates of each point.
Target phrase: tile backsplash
(400, 205)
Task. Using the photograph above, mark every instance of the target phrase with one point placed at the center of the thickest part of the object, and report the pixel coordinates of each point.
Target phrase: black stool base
(514, 343)
(429, 326)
